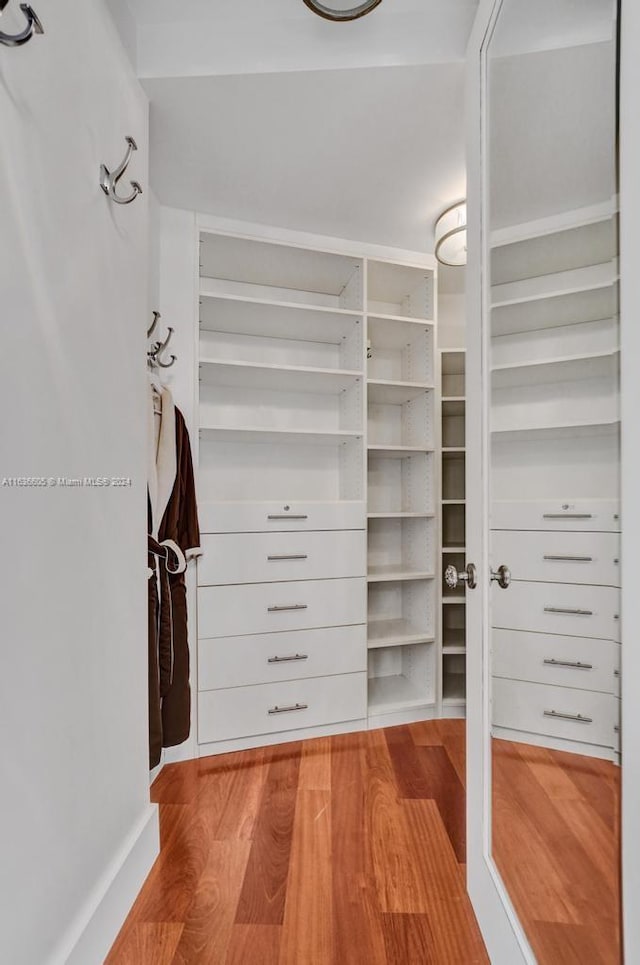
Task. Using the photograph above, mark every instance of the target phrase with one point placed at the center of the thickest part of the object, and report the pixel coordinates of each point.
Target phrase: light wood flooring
(345, 850)
(556, 840)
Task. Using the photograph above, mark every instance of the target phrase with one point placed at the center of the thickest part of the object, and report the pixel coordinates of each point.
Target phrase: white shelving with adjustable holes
(453, 544)
(555, 444)
(401, 493)
(316, 592)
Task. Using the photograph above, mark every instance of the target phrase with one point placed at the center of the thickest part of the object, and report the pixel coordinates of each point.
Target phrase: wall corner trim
(90, 936)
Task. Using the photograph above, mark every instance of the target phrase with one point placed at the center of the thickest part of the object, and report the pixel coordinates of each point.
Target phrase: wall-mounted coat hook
(33, 27)
(161, 348)
(156, 318)
(109, 179)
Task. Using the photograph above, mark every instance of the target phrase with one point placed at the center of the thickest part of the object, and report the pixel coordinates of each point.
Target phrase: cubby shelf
(271, 306)
(401, 319)
(277, 377)
(397, 452)
(454, 502)
(539, 364)
(387, 392)
(395, 633)
(453, 549)
(392, 573)
(268, 436)
(400, 515)
(559, 426)
(395, 692)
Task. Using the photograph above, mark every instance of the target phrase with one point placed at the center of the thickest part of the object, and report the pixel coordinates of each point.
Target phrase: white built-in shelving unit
(453, 545)
(318, 487)
(555, 480)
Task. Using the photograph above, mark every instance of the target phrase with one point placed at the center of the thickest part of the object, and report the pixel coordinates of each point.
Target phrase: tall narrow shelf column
(453, 510)
(402, 492)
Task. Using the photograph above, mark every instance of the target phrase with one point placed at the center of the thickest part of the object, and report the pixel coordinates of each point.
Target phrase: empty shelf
(396, 692)
(276, 377)
(400, 515)
(397, 452)
(394, 572)
(268, 436)
(396, 633)
(385, 392)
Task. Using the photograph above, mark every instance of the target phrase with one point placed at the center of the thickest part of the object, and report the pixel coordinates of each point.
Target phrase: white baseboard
(98, 922)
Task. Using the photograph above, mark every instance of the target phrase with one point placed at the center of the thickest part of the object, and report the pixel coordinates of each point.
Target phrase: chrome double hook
(158, 348)
(109, 179)
(33, 27)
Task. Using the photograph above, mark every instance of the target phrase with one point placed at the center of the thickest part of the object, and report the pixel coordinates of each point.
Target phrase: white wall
(73, 295)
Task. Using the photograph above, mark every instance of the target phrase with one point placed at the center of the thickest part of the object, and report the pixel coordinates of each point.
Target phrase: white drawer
(558, 608)
(559, 557)
(228, 611)
(273, 517)
(276, 557)
(560, 661)
(290, 704)
(272, 657)
(552, 711)
(585, 515)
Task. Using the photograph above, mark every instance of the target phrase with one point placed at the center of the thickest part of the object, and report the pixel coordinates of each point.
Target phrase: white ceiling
(263, 112)
(372, 155)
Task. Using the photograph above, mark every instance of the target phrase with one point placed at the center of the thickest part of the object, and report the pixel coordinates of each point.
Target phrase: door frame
(503, 935)
(505, 939)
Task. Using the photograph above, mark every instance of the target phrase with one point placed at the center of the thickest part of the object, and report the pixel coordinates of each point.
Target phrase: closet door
(544, 636)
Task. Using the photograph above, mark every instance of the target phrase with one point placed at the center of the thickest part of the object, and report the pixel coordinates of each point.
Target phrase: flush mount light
(338, 10)
(451, 236)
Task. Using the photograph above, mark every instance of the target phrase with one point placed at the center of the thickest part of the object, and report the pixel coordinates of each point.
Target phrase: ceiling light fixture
(341, 10)
(451, 236)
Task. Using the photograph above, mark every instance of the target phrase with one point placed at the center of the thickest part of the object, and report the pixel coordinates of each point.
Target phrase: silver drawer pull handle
(287, 516)
(295, 656)
(296, 556)
(287, 710)
(567, 516)
(293, 606)
(580, 717)
(572, 611)
(569, 559)
(552, 662)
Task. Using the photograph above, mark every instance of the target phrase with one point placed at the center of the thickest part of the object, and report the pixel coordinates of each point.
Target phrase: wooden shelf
(454, 549)
(454, 600)
(262, 435)
(458, 450)
(392, 573)
(453, 502)
(385, 392)
(395, 633)
(277, 377)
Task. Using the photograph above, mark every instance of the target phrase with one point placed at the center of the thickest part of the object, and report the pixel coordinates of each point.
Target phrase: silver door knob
(453, 579)
(501, 576)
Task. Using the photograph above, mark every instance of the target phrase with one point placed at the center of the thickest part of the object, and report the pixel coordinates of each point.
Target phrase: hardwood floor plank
(263, 894)
(357, 927)
(315, 765)
(408, 938)
(425, 733)
(176, 784)
(232, 795)
(307, 931)
(209, 919)
(440, 875)
(571, 944)
(426, 772)
(147, 943)
(455, 932)
(255, 944)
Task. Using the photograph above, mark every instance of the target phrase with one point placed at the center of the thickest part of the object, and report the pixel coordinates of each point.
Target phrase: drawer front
(272, 657)
(553, 711)
(560, 661)
(291, 704)
(558, 608)
(277, 517)
(559, 557)
(586, 515)
(227, 611)
(278, 557)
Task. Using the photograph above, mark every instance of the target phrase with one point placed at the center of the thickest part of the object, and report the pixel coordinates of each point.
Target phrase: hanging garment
(174, 538)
